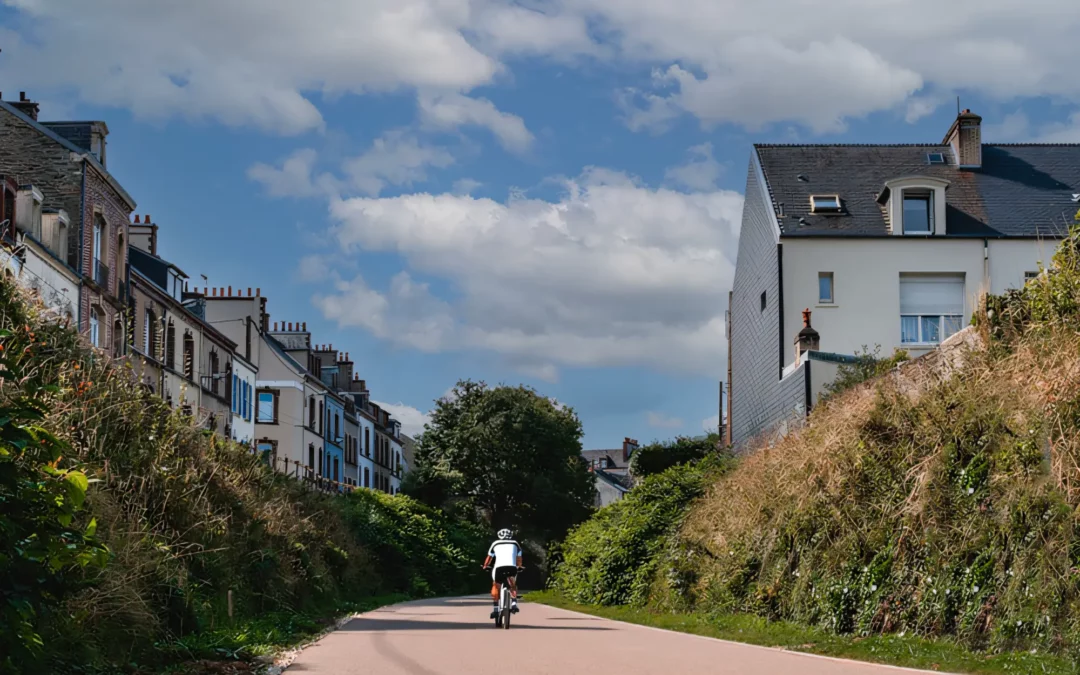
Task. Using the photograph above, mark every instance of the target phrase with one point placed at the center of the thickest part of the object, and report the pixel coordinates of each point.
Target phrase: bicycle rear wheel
(506, 607)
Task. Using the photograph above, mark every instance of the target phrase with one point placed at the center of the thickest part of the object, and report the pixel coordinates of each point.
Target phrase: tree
(506, 455)
(659, 456)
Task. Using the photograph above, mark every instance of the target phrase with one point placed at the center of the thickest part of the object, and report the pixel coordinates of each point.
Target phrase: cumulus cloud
(723, 61)
(450, 111)
(661, 421)
(711, 424)
(612, 273)
(293, 178)
(1016, 127)
(699, 173)
(412, 420)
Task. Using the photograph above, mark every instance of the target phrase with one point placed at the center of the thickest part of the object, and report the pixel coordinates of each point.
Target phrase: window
(825, 288)
(214, 371)
(170, 345)
(931, 307)
(825, 204)
(918, 212)
(1028, 276)
(367, 443)
(189, 356)
(311, 412)
(149, 334)
(367, 478)
(337, 426)
(236, 396)
(268, 407)
(311, 456)
(337, 467)
(321, 414)
(763, 303)
(247, 344)
(118, 337)
(935, 158)
(95, 328)
(267, 451)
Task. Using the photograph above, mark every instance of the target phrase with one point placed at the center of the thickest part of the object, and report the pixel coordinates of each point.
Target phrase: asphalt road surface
(455, 637)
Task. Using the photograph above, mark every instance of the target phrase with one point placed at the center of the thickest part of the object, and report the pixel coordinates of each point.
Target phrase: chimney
(137, 217)
(965, 138)
(26, 106)
(628, 447)
(304, 326)
(808, 339)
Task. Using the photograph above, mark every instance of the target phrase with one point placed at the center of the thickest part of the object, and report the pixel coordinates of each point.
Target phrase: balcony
(101, 274)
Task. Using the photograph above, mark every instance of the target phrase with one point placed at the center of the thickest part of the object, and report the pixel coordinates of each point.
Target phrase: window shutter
(932, 295)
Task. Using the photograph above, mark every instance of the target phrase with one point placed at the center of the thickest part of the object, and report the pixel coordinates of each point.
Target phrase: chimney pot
(258, 291)
(147, 218)
(22, 95)
(965, 139)
(305, 325)
(136, 218)
(249, 291)
(214, 292)
(230, 291)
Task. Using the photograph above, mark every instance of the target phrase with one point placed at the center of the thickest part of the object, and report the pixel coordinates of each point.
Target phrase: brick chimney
(628, 447)
(808, 339)
(143, 234)
(26, 106)
(965, 138)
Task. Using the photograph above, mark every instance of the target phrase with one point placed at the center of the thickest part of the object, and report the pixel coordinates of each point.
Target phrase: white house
(882, 245)
(42, 239)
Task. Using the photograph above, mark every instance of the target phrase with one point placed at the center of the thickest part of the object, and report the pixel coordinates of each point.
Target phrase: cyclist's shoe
(494, 613)
(513, 607)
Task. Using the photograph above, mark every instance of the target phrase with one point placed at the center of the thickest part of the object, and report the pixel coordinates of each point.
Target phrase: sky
(540, 192)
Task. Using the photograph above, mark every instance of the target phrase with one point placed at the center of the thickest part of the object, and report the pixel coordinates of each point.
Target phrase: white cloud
(465, 186)
(395, 158)
(1017, 127)
(545, 372)
(711, 424)
(612, 273)
(699, 173)
(412, 420)
(294, 177)
(661, 421)
(451, 110)
(243, 62)
(262, 63)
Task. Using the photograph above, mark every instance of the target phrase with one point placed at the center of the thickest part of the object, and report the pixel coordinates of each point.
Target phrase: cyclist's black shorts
(504, 573)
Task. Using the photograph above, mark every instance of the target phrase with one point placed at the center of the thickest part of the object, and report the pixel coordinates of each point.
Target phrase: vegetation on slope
(173, 520)
(611, 559)
(659, 456)
(942, 501)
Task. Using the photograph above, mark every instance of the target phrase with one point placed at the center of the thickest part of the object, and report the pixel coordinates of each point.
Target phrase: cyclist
(507, 557)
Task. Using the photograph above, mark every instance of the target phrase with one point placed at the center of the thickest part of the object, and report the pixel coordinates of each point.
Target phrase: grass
(898, 650)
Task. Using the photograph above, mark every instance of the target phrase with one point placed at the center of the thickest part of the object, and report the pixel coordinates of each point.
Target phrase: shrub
(867, 366)
(610, 559)
(658, 457)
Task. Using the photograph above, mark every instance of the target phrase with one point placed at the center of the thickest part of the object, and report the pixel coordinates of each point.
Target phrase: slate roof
(615, 455)
(621, 482)
(82, 152)
(1021, 190)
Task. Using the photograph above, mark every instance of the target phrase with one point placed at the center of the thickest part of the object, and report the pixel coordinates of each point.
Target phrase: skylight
(935, 158)
(825, 203)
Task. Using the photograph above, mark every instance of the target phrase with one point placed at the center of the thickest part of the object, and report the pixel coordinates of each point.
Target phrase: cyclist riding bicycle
(507, 556)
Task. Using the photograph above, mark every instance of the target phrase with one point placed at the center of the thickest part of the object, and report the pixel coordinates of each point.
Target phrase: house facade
(66, 163)
(889, 246)
(242, 400)
(611, 471)
(41, 240)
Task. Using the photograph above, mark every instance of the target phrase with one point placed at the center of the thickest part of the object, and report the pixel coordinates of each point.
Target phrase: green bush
(659, 457)
(184, 517)
(867, 366)
(610, 559)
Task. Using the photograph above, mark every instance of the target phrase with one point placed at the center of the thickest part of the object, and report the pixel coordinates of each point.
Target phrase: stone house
(886, 245)
(66, 163)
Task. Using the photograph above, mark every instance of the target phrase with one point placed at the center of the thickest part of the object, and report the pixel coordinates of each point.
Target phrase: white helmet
(505, 534)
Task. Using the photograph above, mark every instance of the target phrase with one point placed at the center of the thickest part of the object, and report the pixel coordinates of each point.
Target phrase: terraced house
(850, 246)
(63, 167)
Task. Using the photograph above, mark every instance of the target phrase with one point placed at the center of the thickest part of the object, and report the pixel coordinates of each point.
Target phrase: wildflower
(976, 589)
(873, 587)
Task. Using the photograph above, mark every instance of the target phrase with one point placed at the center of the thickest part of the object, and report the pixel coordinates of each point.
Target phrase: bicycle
(503, 612)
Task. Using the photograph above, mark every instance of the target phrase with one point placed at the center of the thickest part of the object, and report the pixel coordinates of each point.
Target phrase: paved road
(455, 637)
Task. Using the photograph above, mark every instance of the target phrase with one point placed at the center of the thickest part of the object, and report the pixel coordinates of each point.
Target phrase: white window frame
(825, 204)
(831, 300)
(922, 194)
(921, 340)
(95, 327)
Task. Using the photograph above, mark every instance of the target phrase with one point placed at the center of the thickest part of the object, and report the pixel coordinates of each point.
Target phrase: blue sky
(543, 192)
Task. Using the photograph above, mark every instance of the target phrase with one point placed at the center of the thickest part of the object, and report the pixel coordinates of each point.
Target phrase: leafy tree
(657, 457)
(506, 455)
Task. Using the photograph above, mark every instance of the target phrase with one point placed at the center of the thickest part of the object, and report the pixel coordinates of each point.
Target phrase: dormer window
(915, 205)
(825, 203)
(918, 212)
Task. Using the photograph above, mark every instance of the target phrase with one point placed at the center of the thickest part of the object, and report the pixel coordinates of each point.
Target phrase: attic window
(935, 158)
(825, 203)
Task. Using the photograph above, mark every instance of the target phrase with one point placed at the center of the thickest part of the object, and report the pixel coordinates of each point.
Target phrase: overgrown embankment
(173, 520)
(942, 500)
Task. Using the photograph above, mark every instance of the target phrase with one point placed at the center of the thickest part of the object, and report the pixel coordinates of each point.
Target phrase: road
(455, 637)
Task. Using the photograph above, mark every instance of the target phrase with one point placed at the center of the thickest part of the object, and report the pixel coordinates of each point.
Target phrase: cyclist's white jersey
(505, 552)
